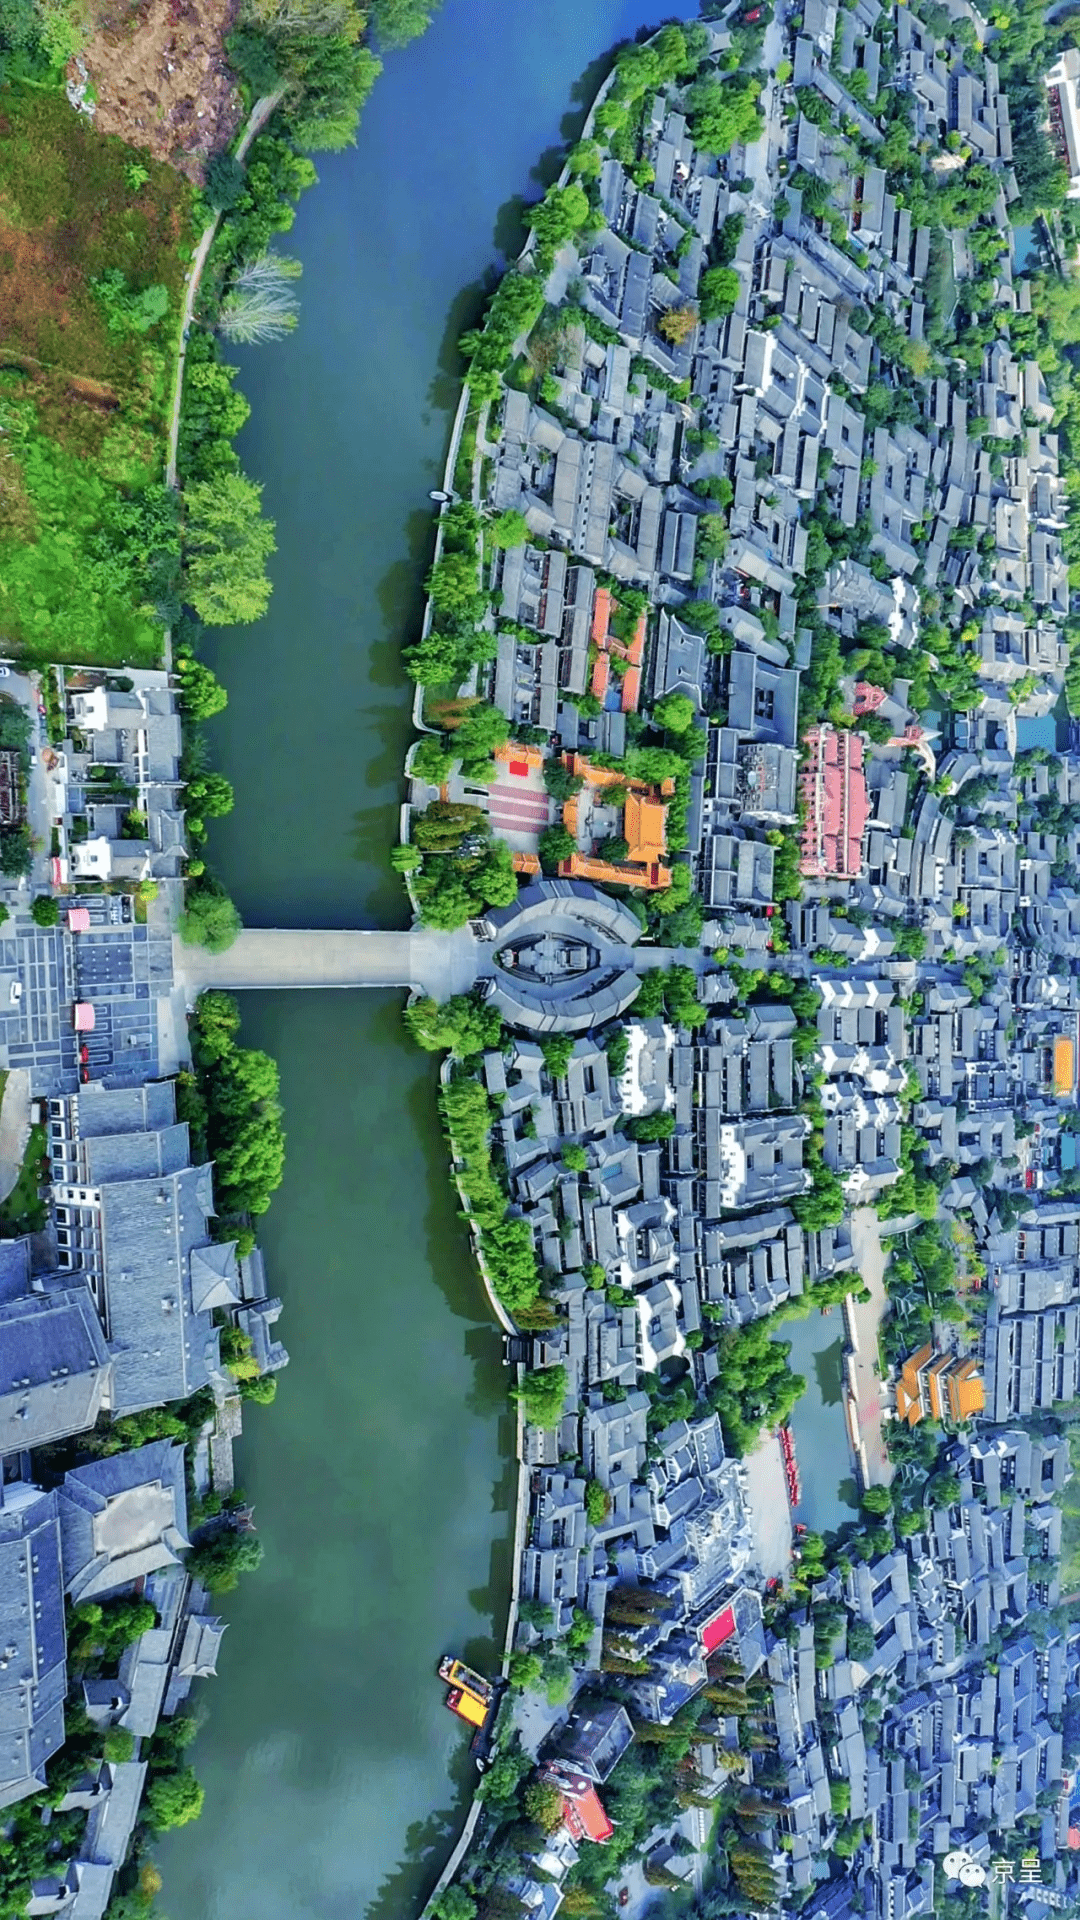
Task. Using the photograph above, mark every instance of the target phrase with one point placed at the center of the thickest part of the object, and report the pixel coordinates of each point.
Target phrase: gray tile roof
(33, 1678)
(55, 1369)
(121, 1518)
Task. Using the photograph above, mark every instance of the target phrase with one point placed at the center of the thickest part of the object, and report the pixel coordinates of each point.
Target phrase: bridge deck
(265, 958)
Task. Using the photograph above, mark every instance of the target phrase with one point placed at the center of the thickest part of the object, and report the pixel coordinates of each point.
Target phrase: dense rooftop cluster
(752, 610)
(133, 1305)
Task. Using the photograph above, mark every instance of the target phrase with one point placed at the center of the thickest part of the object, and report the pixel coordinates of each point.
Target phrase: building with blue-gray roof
(33, 1653)
(122, 1518)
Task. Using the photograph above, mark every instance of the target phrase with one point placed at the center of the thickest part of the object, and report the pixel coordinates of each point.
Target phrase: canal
(818, 1422)
(335, 1780)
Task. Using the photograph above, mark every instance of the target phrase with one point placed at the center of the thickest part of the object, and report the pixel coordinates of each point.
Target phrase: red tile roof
(837, 803)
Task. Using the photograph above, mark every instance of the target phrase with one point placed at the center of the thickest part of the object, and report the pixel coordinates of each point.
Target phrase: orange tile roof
(645, 828)
(940, 1384)
(1064, 1065)
(583, 866)
(532, 756)
(601, 674)
(967, 1395)
(601, 615)
(631, 689)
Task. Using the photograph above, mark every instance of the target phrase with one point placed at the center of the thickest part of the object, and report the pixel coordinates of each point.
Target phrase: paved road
(267, 958)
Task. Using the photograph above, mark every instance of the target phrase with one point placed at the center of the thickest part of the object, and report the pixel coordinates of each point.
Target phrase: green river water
(335, 1779)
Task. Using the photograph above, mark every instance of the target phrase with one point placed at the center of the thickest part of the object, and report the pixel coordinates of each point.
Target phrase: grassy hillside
(94, 243)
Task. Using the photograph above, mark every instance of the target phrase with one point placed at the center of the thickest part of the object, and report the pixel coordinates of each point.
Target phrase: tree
(225, 181)
(560, 782)
(675, 712)
(718, 292)
(559, 215)
(712, 536)
(574, 1158)
(453, 586)
(510, 529)
(677, 324)
(651, 1126)
(462, 1025)
(481, 732)
(555, 843)
(214, 1027)
(876, 1500)
(227, 544)
(446, 823)
(597, 1503)
(860, 1646)
(543, 1803)
(438, 660)
(45, 911)
(16, 852)
(406, 858)
(911, 943)
(173, 1798)
(454, 1903)
(218, 1562)
(723, 112)
(210, 918)
(556, 1049)
(542, 1394)
(236, 1349)
(262, 1390)
(199, 691)
(128, 310)
(211, 795)
(524, 1669)
(118, 1745)
(260, 304)
(431, 761)
(396, 22)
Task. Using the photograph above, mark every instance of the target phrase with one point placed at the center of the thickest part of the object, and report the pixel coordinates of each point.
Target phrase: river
(335, 1780)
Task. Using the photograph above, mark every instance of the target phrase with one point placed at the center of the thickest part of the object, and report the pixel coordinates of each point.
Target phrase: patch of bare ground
(161, 79)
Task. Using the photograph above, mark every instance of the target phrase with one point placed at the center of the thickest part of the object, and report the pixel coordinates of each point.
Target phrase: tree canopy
(210, 918)
(227, 545)
(462, 1025)
(723, 112)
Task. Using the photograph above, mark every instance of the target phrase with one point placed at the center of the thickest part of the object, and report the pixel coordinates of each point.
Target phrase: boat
(458, 1675)
(467, 1706)
(474, 1700)
(791, 1465)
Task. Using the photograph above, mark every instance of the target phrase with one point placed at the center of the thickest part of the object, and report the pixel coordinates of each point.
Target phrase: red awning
(718, 1629)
